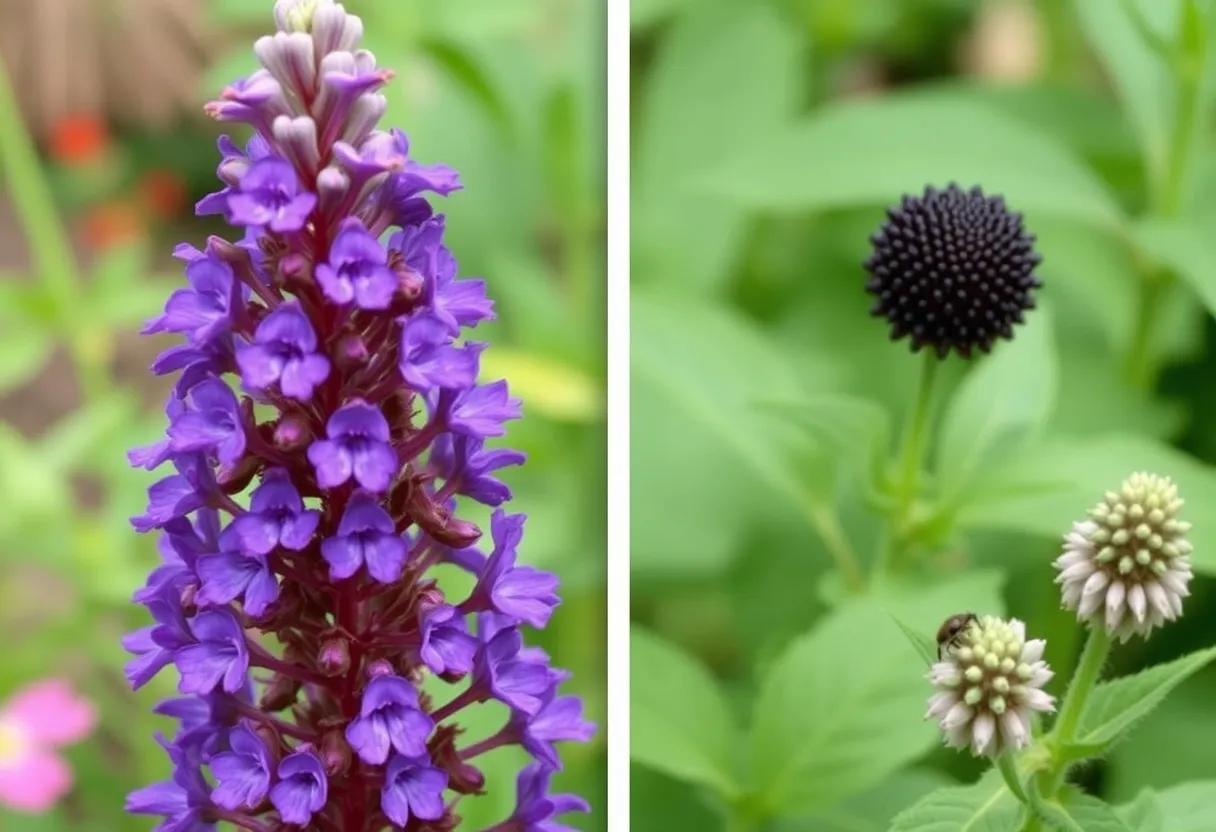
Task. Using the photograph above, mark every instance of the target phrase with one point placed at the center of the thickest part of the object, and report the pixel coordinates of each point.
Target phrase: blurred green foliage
(511, 94)
(777, 544)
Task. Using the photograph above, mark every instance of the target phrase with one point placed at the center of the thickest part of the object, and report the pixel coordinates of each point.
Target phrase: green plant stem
(50, 248)
(1093, 657)
(1009, 771)
(908, 464)
(827, 526)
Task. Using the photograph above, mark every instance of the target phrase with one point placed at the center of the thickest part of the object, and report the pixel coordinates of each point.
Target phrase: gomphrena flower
(1127, 566)
(327, 417)
(952, 269)
(988, 687)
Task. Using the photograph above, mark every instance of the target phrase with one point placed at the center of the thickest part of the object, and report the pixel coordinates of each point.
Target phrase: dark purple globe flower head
(327, 432)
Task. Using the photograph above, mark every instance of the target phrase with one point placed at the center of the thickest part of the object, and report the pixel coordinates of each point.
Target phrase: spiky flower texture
(952, 270)
(989, 686)
(324, 671)
(1127, 566)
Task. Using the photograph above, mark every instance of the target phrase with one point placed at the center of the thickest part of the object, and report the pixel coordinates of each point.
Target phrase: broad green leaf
(1091, 814)
(1000, 405)
(921, 643)
(986, 806)
(697, 111)
(1141, 75)
(1115, 706)
(645, 13)
(1047, 487)
(874, 151)
(1144, 813)
(1185, 245)
(704, 466)
(873, 809)
(680, 722)
(853, 430)
(841, 708)
(1189, 807)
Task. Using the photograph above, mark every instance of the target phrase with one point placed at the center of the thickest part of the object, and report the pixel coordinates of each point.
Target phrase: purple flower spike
(303, 525)
(389, 718)
(243, 772)
(220, 658)
(276, 517)
(412, 789)
(357, 270)
(302, 789)
(270, 196)
(284, 352)
(358, 446)
(366, 535)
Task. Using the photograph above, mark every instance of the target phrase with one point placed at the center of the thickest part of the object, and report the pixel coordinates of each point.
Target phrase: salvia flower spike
(327, 416)
(952, 270)
(1127, 566)
(989, 686)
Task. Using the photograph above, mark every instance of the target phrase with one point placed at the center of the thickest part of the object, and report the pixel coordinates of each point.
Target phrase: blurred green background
(767, 404)
(511, 94)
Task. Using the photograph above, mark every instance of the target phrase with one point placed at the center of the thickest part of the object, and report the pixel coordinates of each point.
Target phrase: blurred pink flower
(35, 722)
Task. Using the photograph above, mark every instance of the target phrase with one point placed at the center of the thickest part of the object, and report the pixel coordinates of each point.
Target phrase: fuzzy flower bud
(1127, 566)
(989, 684)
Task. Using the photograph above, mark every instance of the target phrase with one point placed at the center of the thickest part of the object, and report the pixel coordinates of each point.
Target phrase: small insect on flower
(952, 629)
(989, 685)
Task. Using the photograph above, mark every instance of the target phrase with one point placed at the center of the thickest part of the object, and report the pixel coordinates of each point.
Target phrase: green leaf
(1185, 245)
(853, 430)
(1115, 706)
(1143, 814)
(986, 806)
(873, 809)
(684, 135)
(871, 152)
(841, 708)
(679, 721)
(1091, 814)
(462, 66)
(1000, 405)
(705, 465)
(1141, 76)
(24, 351)
(646, 13)
(921, 643)
(1053, 482)
(1189, 807)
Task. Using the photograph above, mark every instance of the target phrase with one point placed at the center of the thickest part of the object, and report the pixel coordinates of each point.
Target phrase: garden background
(772, 687)
(109, 97)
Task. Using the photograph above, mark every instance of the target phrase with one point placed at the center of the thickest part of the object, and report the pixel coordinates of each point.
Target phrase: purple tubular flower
(276, 517)
(412, 788)
(243, 772)
(270, 195)
(535, 807)
(358, 270)
(219, 658)
(302, 525)
(284, 351)
(357, 445)
(303, 788)
(365, 536)
(520, 592)
(389, 717)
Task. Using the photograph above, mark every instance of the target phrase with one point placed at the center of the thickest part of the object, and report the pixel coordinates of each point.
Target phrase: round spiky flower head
(1128, 565)
(988, 687)
(952, 269)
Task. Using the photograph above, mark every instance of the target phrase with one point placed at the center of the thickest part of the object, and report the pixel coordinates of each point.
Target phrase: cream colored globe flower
(989, 686)
(1127, 566)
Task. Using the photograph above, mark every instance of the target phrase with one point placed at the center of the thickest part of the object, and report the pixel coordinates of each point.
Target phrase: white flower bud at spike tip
(1128, 565)
(295, 15)
(989, 685)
